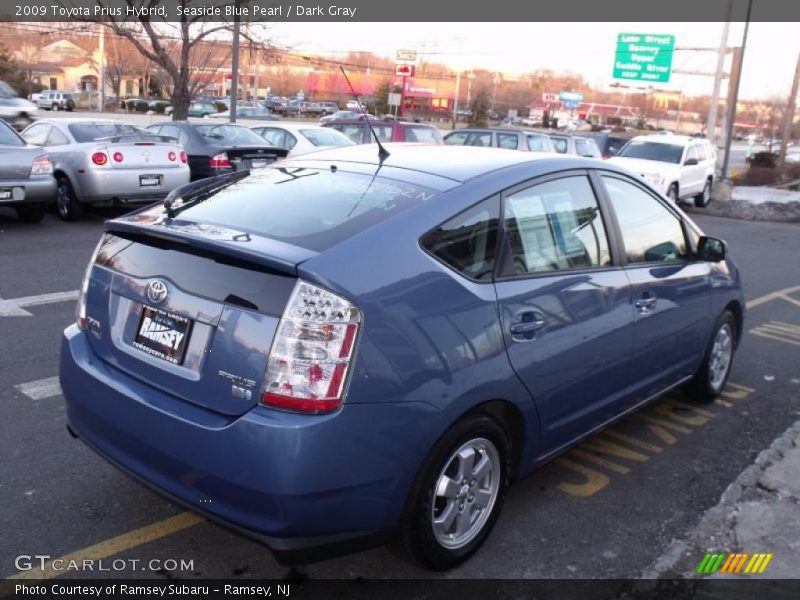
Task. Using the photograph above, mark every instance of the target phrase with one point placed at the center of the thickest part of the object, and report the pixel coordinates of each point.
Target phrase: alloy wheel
(721, 356)
(465, 493)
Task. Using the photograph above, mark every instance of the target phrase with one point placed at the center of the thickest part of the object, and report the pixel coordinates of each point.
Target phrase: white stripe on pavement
(13, 307)
(40, 389)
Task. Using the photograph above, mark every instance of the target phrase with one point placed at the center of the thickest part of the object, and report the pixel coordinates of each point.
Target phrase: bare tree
(182, 51)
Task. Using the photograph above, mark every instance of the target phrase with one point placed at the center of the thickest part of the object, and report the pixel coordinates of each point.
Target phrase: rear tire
(30, 213)
(703, 198)
(67, 205)
(457, 495)
(55, 107)
(713, 374)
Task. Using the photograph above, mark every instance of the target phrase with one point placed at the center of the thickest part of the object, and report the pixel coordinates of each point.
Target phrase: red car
(387, 130)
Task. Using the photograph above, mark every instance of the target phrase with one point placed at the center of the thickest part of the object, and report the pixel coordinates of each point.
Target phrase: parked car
(341, 114)
(159, 106)
(577, 145)
(352, 105)
(387, 130)
(216, 149)
(139, 105)
(293, 108)
(301, 139)
(512, 139)
(201, 109)
(17, 111)
(105, 162)
(26, 176)
(247, 112)
(609, 144)
(327, 107)
(342, 348)
(681, 167)
(56, 100)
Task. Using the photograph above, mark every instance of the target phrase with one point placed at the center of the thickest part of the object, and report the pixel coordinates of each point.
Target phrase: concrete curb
(778, 212)
(756, 485)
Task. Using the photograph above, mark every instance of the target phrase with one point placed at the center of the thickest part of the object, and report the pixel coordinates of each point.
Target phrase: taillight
(118, 157)
(184, 157)
(42, 165)
(171, 156)
(99, 158)
(312, 351)
(220, 160)
(80, 310)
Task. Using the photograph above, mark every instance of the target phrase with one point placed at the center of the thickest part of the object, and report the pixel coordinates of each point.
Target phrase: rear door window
(480, 139)
(508, 140)
(555, 226)
(560, 144)
(457, 138)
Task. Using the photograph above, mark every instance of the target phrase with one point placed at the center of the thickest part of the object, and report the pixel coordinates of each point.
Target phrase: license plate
(5, 194)
(162, 334)
(258, 164)
(149, 180)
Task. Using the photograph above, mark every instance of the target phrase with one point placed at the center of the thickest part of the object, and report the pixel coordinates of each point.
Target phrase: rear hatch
(16, 161)
(254, 157)
(187, 310)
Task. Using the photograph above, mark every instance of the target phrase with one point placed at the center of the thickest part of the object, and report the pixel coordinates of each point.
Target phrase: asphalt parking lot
(606, 509)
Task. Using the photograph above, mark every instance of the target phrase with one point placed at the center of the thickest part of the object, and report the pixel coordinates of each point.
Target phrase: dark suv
(387, 130)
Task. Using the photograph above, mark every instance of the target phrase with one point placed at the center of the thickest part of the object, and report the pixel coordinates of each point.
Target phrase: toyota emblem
(157, 291)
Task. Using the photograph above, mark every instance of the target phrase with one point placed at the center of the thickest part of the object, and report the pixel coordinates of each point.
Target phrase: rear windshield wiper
(194, 193)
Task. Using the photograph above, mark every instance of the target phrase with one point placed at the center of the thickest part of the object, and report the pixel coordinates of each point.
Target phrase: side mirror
(690, 162)
(712, 249)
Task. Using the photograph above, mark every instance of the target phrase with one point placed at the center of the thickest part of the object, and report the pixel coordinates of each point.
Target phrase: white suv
(680, 167)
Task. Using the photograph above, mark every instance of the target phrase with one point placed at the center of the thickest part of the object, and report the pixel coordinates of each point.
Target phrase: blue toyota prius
(346, 348)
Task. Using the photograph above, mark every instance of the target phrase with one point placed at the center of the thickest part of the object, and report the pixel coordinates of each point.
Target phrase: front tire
(457, 496)
(710, 380)
(703, 198)
(672, 193)
(67, 205)
(30, 213)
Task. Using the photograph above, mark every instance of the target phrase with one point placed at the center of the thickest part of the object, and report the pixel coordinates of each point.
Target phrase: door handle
(646, 303)
(526, 326)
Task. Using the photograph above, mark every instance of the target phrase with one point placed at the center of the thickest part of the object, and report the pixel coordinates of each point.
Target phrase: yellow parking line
(115, 545)
(772, 296)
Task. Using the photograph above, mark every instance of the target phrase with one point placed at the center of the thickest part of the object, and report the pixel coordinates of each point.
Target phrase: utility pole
(101, 104)
(733, 96)
(711, 123)
(788, 120)
(237, 25)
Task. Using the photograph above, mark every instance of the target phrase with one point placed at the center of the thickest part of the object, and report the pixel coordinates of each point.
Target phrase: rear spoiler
(132, 139)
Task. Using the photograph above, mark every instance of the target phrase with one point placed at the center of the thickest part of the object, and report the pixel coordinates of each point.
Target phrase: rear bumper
(39, 189)
(100, 185)
(293, 482)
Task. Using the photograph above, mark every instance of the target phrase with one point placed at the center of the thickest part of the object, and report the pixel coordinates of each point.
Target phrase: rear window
(68, 97)
(8, 137)
(427, 135)
(90, 132)
(311, 208)
(326, 137)
(232, 134)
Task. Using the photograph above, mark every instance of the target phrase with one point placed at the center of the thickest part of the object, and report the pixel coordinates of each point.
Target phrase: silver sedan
(106, 162)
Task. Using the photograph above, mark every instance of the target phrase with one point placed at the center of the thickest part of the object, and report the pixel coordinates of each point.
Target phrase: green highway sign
(644, 57)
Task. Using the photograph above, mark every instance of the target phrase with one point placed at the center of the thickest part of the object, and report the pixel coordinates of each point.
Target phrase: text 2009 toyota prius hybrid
(334, 349)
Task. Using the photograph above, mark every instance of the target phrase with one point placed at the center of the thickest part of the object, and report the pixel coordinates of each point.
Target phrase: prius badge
(157, 291)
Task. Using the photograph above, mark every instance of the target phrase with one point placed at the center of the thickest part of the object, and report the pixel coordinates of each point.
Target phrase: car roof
(289, 126)
(457, 163)
(69, 120)
(666, 138)
(496, 129)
